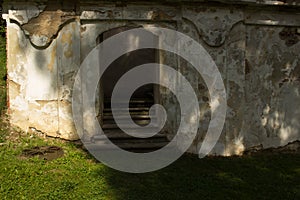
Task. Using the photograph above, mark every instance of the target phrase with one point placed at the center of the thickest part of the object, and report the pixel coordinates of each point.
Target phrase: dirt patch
(43, 152)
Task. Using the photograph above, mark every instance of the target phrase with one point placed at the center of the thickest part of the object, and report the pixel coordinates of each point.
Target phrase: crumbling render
(45, 27)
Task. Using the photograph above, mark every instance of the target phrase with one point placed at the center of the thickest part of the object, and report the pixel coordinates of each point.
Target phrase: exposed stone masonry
(255, 45)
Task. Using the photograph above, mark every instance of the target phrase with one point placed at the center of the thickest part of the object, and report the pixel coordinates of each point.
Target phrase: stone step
(132, 101)
(132, 109)
(133, 116)
(149, 130)
(100, 144)
(140, 122)
(123, 105)
(139, 113)
(118, 134)
(134, 140)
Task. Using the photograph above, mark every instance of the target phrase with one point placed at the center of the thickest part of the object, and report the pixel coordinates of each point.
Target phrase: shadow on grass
(249, 177)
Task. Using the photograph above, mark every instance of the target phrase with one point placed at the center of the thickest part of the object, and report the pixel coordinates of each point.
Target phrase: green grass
(78, 176)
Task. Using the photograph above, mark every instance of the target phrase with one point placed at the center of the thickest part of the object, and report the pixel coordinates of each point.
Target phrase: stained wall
(254, 44)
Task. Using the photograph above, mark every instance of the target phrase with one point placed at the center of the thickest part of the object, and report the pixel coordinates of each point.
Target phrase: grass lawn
(77, 175)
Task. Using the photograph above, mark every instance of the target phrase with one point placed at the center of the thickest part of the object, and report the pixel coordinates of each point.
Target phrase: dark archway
(127, 62)
(140, 102)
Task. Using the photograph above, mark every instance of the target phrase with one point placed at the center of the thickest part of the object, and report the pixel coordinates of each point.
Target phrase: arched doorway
(127, 62)
(141, 100)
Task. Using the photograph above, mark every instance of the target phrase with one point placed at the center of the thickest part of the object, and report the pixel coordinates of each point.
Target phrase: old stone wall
(254, 44)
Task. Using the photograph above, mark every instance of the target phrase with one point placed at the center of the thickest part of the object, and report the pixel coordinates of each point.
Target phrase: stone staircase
(139, 112)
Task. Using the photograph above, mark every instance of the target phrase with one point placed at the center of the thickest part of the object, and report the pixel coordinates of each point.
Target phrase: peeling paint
(67, 39)
(44, 27)
(256, 51)
(53, 59)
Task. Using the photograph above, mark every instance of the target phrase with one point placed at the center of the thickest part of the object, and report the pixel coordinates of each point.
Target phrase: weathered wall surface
(256, 48)
(43, 58)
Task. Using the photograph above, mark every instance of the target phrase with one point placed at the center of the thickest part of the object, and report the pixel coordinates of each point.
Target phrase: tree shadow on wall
(210, 178)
